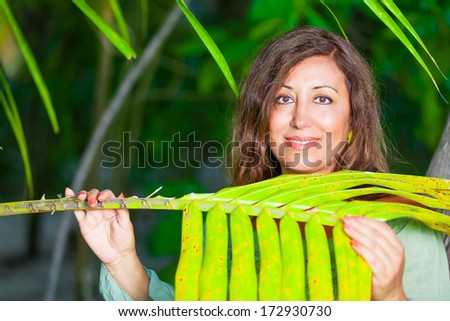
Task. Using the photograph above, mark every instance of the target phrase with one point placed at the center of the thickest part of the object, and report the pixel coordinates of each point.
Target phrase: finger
(82, 195)
(367, 242)
(68, 192)
(79, 215)
(377, 243)
(92, 197)
(374, 242)
(123, 218)
(380, 247)
(371, 230)
(123, 215)
(105, 195)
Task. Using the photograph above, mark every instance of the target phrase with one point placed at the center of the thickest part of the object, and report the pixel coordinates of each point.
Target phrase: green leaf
(335, 18)
(210, 44)
(392, 25)
(10, 107)
(399, 15)
(32, 65)
(117, 11)
(301, 196)
(119, 42)
(316, 199)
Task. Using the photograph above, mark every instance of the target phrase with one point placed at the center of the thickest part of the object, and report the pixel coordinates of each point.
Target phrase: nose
(301, 116)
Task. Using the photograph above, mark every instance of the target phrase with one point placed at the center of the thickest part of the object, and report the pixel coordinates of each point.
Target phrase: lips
(302, 143)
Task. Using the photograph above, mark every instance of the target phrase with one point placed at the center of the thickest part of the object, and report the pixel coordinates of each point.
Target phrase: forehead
(317, 67)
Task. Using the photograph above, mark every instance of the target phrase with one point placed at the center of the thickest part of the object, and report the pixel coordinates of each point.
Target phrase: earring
(350, 137)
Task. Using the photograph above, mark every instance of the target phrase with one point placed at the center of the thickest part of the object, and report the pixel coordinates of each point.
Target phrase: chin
(307, 170)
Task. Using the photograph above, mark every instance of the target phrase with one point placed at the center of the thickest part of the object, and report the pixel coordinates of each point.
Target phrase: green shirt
(426, 274)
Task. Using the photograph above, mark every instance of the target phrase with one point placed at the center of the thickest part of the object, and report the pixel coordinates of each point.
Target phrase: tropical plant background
(179, 92)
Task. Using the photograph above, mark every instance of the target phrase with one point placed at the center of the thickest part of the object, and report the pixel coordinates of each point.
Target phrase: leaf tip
(131, 56)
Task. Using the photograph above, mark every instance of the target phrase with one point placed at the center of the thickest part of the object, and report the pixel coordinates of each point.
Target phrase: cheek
(335, 123)
(275, 123)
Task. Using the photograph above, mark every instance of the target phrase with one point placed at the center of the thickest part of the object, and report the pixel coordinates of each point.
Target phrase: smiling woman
(311, 113)
(307, 106)
(274, 80)
(313, 73)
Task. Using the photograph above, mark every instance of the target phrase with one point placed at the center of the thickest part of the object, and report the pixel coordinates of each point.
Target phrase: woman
(307, 106)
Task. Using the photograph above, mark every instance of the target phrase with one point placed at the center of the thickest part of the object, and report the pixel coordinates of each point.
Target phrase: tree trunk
(440, 167)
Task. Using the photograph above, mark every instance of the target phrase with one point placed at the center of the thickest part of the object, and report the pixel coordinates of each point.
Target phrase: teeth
(302, 142)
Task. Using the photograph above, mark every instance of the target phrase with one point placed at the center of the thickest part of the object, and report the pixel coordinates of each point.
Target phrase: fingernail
(91, 202)
(121, 195)
(348, 219)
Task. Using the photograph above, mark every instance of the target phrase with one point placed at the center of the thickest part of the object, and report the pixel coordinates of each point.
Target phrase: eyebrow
(314, 88)
(325, 86)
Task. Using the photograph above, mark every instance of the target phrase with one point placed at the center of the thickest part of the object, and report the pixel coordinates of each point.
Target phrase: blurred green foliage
(183, 91)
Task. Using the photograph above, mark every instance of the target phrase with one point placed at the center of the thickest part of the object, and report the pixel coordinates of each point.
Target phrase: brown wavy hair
(253, 161)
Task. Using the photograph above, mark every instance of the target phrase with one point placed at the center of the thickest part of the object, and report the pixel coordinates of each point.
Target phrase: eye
(323, 100)
(284, 100)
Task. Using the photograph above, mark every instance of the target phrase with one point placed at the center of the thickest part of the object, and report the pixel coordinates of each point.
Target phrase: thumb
(123, 216)
(79, 215)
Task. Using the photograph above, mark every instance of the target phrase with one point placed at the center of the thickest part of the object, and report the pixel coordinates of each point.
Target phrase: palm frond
(279, 205)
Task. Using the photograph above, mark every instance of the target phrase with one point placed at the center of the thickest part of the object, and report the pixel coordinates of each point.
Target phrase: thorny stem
(205, 203)
(73, 204)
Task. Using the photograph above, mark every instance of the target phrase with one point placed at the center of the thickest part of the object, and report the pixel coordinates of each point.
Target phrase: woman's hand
(377, 243)
(110, 235)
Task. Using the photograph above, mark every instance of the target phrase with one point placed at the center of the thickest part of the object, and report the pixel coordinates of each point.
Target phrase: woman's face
(310, 117)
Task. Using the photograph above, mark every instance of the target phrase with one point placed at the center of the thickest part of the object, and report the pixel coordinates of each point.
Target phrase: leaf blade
(401, 17)
(210, 45)
(120, 20)
(32, 66)
(335, 18)
(392, 25)
(120, 43)
(16, 125)
(190, 262)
